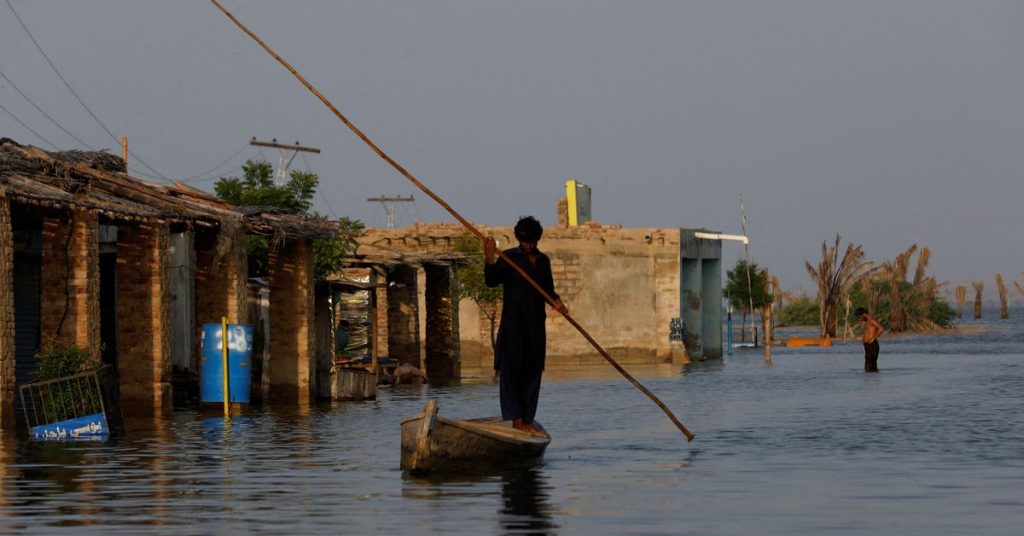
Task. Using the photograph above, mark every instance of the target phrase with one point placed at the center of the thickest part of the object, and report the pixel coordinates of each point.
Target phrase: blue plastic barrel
(211, 380)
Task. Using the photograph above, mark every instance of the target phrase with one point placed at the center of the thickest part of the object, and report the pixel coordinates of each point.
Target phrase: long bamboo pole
(469, 226)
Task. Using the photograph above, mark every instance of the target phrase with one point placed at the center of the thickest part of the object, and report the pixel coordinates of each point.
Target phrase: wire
(46, 115)
(328, 203)
(309, 169)
(73, 92)
(214, 176)
(215, 168)
(22, 123)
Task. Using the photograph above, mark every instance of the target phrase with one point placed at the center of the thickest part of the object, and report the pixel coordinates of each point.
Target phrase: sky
(889, 123)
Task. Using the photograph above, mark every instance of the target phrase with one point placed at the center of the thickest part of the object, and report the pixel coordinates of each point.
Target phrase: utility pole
(389, 206)
(288, 152)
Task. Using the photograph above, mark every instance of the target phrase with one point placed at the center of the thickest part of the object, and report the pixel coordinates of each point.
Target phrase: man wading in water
(520, 348)
(872, 329)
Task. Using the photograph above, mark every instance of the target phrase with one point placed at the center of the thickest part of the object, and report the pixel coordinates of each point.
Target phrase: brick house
(130, 269)
(415, 306)
(641, 292)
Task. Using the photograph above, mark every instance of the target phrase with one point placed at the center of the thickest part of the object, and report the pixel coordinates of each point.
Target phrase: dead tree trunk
(1004, 309)
(979, 286)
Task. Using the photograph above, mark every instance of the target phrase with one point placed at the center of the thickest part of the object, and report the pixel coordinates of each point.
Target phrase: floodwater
(933, 444)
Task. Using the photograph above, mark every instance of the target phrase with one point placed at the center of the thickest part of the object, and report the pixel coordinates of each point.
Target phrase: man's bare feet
(518, 424)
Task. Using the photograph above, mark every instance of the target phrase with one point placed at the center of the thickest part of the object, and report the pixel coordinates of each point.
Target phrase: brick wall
(620, 284)
(70, 310)
(221, 282)
(381, 293)
(6, 315)
(291, 323)
(442, 325)
(403, 327)
(144, 319)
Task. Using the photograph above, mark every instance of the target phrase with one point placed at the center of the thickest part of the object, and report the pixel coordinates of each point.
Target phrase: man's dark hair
(860, 311)
(529, 229)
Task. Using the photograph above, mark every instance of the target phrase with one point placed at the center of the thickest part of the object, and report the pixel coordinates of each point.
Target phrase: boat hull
(469, 445)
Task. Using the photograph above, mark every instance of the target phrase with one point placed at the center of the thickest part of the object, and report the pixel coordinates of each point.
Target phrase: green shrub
(802, 311)
(57, 359)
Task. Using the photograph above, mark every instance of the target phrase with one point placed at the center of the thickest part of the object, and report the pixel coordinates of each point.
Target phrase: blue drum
(211, 379)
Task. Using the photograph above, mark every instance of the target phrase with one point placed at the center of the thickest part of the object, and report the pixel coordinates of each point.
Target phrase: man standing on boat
(872, 329)
(520, 349)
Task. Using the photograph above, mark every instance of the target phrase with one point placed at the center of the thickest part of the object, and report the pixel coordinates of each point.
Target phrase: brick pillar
(221, 280)
(323, 333)
(291, 323)
(381, 292)
(71, 281)
(442, 340)
(6, 316)
(144, 319)
(403, 316)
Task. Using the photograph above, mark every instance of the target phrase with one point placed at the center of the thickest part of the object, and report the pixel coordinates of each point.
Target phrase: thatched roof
(95, 181)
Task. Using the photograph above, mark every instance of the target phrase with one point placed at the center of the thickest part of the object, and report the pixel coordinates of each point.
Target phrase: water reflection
(526, 507)
(522, 497)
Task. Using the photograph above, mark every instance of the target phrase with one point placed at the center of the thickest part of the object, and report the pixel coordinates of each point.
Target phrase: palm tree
(908, 303)
(961, 297)
(834, 276)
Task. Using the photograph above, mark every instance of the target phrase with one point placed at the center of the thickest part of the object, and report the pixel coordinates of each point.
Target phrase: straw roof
(95, 181)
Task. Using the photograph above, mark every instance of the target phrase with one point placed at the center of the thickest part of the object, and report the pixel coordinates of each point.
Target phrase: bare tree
(834, 276)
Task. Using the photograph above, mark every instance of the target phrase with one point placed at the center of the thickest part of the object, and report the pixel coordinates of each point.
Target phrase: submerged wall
(622, 285)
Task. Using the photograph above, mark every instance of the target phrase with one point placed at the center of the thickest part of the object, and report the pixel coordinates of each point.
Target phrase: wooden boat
(436, 444)
(800, 342)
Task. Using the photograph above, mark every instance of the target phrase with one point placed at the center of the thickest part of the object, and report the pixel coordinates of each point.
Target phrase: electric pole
(389, 206)
(288, 153)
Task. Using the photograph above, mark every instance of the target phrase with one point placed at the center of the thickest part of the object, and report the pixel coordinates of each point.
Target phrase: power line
(215, 168)
(46, 115)
(73, 92)
(22, 123)
(214, 176)
(319, 190)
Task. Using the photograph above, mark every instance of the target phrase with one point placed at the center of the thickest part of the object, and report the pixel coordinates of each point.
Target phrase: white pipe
(720, 236)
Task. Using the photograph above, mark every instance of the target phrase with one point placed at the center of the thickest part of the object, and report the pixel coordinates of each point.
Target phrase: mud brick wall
(442, 324)
(144, 319)
(6, 315)
(382, 316)
(71, 281)
(221, 282)
(403, 315)
(621, 284)
(292, 367)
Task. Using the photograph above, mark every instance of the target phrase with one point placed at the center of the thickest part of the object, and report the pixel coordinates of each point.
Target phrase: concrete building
(647, 295)
(130, 270)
